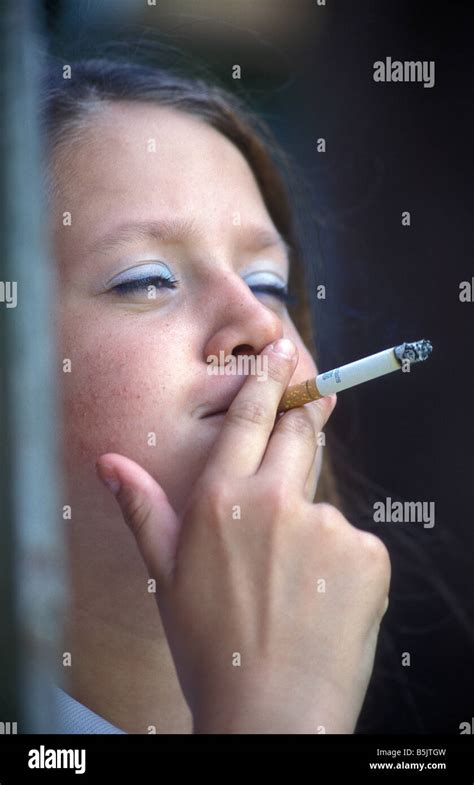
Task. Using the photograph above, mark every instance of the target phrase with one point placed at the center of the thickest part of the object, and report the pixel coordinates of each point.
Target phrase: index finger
(249, 421)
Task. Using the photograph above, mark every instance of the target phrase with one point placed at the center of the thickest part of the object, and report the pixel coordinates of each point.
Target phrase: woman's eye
(281, 292)
(266, 282)
(143, 284)
(150, 283)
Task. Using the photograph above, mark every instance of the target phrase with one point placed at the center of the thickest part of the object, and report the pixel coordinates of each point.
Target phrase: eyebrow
(167, 230)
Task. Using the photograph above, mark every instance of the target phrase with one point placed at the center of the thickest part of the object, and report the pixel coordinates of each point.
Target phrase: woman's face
(155, 192)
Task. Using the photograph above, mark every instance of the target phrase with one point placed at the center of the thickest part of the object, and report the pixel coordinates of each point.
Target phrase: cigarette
(358, 372)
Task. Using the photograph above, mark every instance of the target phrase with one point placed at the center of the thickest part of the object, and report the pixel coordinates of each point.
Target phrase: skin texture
(138, 366)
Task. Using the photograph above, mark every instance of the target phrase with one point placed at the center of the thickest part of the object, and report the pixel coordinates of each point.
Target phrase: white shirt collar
(74, 717)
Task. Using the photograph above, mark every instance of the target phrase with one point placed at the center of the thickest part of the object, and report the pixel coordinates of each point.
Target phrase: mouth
(217, 408)
(220, 413)
(221, 404)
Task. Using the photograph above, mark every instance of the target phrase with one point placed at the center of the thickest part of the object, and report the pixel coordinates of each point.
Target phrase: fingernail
(108, 476)
(284, 347)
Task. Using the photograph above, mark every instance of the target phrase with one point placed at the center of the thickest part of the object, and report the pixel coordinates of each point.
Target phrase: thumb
(146, 510)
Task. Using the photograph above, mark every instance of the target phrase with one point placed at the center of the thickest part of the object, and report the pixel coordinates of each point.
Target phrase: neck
(127, 679)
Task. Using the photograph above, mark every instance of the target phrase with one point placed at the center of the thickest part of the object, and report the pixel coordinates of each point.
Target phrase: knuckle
(210, 500)
(329, 516)
(248, 412)
(375, 547)
(276, 497)
(299, 422)
(381, 606)
(377, 554)
(210, 488)
(319, 412)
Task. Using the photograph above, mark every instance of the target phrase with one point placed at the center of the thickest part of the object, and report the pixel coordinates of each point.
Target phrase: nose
(242, 324)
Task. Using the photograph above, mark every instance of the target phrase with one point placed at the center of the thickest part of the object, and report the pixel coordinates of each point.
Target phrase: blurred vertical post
(31, 548)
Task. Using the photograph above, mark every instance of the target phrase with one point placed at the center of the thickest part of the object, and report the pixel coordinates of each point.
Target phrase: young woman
(209, 592)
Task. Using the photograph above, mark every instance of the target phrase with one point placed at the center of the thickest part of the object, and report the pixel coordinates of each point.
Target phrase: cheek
(112, 398)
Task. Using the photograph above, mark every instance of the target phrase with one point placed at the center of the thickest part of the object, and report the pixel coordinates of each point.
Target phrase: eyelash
(170, 283)
(142, 283)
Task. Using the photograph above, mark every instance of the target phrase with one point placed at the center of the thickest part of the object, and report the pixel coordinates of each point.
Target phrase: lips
(215, 414)
(219, 407)
(219, 402)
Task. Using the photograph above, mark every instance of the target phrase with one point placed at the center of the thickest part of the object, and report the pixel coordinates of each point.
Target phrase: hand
(271, 604)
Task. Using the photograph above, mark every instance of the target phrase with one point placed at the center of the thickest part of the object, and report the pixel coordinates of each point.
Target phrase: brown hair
(68, 103)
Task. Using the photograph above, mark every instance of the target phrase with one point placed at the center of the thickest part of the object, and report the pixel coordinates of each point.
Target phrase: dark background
(391, 147)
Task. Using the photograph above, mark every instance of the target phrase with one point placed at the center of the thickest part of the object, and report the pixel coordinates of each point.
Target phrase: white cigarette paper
(357, 372)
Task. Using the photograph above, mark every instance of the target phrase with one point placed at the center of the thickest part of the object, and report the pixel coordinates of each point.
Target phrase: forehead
(135, 154)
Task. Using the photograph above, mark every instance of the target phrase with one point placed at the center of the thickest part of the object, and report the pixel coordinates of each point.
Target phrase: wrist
(284, 719)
